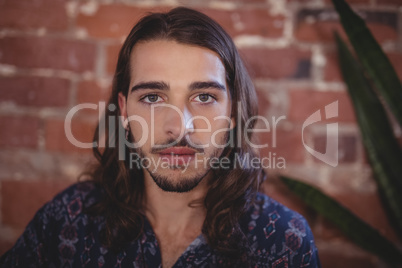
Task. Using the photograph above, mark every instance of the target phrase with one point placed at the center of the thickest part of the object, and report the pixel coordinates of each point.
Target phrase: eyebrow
(150, 85)
(160, 85)
(207, 84)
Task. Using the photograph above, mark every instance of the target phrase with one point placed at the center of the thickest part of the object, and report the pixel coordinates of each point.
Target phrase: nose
(177, 122)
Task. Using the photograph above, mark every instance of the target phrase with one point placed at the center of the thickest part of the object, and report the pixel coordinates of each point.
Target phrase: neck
(173, 212)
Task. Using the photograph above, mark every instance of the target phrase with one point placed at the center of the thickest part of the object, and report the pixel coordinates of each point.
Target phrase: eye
(151, 98)
(204, 98)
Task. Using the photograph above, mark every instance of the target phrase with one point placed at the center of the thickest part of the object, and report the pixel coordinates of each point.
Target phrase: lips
(178, 151)
(177, 156)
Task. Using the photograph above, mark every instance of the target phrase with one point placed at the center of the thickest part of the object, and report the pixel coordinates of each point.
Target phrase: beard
(185, 184)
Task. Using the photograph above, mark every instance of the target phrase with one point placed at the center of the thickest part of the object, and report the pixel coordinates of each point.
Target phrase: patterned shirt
(61, 235)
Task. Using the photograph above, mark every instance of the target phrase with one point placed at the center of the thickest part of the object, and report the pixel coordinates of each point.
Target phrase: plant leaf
(356, 229)
(382, 147)
(372, 57)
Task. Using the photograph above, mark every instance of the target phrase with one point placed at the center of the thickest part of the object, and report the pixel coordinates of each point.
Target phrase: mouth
(177, 156)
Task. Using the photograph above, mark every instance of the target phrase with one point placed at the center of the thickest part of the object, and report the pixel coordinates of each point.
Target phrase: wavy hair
(231, 192)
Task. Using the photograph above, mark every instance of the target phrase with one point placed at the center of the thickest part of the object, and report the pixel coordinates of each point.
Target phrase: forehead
(168, 60)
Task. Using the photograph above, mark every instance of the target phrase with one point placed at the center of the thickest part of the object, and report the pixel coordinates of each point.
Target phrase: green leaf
(372, 57)
(356, 229)
(382, 147)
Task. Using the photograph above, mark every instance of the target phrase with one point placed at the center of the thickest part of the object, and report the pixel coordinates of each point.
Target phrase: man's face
(180, 91)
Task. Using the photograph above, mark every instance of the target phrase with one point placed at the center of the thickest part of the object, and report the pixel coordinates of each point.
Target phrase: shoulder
(78, 196)
(57, 221)
(67, 208)
(73, 200)
(265, 209)
(273, 219)
(279, 234)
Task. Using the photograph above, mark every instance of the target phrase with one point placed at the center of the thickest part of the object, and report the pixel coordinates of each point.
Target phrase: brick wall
(55, 54)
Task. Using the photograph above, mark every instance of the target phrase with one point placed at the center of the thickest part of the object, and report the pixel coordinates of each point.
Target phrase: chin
(175, 180)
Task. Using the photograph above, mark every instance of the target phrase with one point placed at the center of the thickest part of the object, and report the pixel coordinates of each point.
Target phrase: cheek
(140, 123)
(220, 117)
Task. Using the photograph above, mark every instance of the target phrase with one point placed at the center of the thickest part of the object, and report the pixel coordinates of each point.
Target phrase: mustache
(175, 143)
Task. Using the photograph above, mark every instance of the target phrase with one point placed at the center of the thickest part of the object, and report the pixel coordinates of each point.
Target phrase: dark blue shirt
(61, 235)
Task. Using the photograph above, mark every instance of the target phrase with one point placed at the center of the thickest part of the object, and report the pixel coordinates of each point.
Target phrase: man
(175, 194)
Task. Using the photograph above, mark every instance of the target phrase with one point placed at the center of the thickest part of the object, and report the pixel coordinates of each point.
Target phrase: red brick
(35, 91)
(113, 20)
(318, 32)
(90, 91)
(312, 27)
(331, 259)
(250, 21)
(19, 131)
(116, 20)
(263, 101)
(304, 103)
(112, 56)
(21, 199)
(347, 147)
(38, 52)
(277, 63)
(332, 70)
(27, 14)
(5, 245)
(56, 139)
(288, 145)
(325, 21)
(389, 2)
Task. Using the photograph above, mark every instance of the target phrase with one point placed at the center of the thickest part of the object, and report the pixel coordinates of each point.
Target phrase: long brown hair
(231, 192)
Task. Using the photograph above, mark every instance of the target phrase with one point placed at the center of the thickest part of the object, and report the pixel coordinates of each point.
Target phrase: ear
(122, 105)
